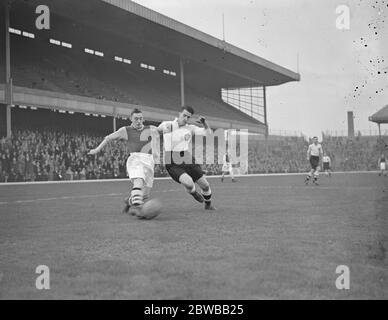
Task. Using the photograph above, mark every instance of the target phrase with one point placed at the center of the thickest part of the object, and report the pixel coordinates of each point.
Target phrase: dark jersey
(136, 141)
(382, 159)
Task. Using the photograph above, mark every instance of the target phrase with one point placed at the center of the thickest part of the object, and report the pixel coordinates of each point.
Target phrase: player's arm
(206, 128)
(308, 152)
(159, 129)
(119, 134)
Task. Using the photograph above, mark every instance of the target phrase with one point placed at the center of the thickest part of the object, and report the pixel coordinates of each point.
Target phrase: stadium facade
(107, 57)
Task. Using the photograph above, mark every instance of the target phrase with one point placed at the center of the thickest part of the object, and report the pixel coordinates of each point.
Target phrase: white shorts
(382, 166)
(141, 165)
(227, 167)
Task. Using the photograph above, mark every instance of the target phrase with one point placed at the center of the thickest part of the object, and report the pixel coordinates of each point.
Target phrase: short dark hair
(188, 108)
(136, 110)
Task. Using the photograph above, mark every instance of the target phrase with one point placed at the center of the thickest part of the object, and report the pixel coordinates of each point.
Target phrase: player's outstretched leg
(222, 178)
(315, 177)
(127, 205)
(189, 185)
(206, 193)
(232, 175)
(135, 201)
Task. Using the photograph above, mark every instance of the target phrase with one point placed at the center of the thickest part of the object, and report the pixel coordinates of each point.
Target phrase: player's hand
(201, 120)
(93, 151)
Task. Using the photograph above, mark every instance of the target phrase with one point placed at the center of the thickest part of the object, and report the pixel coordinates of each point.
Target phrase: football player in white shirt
(227, 167)
(382, 165)
(178, 160)
(326, 161)
(314, 153)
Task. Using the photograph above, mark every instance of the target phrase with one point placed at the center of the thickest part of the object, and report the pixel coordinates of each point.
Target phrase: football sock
(207, 195)
(137, 196)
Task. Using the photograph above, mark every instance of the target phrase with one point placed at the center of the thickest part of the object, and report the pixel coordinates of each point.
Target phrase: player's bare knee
(186, 181)
(203, 183)
(205, 187)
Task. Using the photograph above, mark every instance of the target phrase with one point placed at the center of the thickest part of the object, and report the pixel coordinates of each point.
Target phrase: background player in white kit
(140, 165)
(326, 161)
(314, 153)
(382, 165)
(227, 167)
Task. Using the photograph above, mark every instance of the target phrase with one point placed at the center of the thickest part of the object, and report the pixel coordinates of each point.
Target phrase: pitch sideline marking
(76, 197)
(168, 178)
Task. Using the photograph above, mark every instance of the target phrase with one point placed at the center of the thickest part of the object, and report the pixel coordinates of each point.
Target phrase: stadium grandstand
(380, 117)
(87, 72)
(123, 55)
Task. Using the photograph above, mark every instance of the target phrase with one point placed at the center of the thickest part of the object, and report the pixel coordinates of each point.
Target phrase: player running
(382, 165)
(179, 162)
(314, 153)
(326, 164)
(227, 167)
(140, 165)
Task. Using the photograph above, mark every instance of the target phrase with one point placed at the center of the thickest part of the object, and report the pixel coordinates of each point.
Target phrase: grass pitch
(271, 238)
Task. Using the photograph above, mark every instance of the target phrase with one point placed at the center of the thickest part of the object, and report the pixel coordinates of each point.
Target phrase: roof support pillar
(4, 28)
(182, 81)
(114, 123)
(265, 112)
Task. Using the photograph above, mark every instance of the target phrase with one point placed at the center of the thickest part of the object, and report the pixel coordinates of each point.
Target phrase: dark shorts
(314, 161)
(175, 170)
(326, 166)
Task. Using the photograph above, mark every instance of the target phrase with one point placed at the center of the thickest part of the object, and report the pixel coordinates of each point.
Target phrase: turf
(271, 238)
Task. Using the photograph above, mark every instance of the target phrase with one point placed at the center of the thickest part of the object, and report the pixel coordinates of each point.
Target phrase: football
(150, 209)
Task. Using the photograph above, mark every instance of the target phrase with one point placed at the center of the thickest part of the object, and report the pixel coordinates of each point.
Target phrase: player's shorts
(175, 170)
(314, 161)
(141, 165)
(326, 166)
(227, 167)
(382, 166)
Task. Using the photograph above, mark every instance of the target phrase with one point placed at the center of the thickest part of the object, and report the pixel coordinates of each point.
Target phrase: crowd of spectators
(52, 154)
(41, 155)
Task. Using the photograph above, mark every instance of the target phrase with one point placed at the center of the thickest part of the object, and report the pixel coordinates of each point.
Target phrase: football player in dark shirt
(140, 163)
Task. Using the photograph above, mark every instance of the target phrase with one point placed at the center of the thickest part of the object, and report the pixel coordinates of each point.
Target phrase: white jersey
(315, 150)
(177, 138)
(326, 159)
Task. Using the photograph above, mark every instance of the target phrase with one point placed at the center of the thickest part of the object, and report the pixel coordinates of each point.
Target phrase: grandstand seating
(62, 70)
